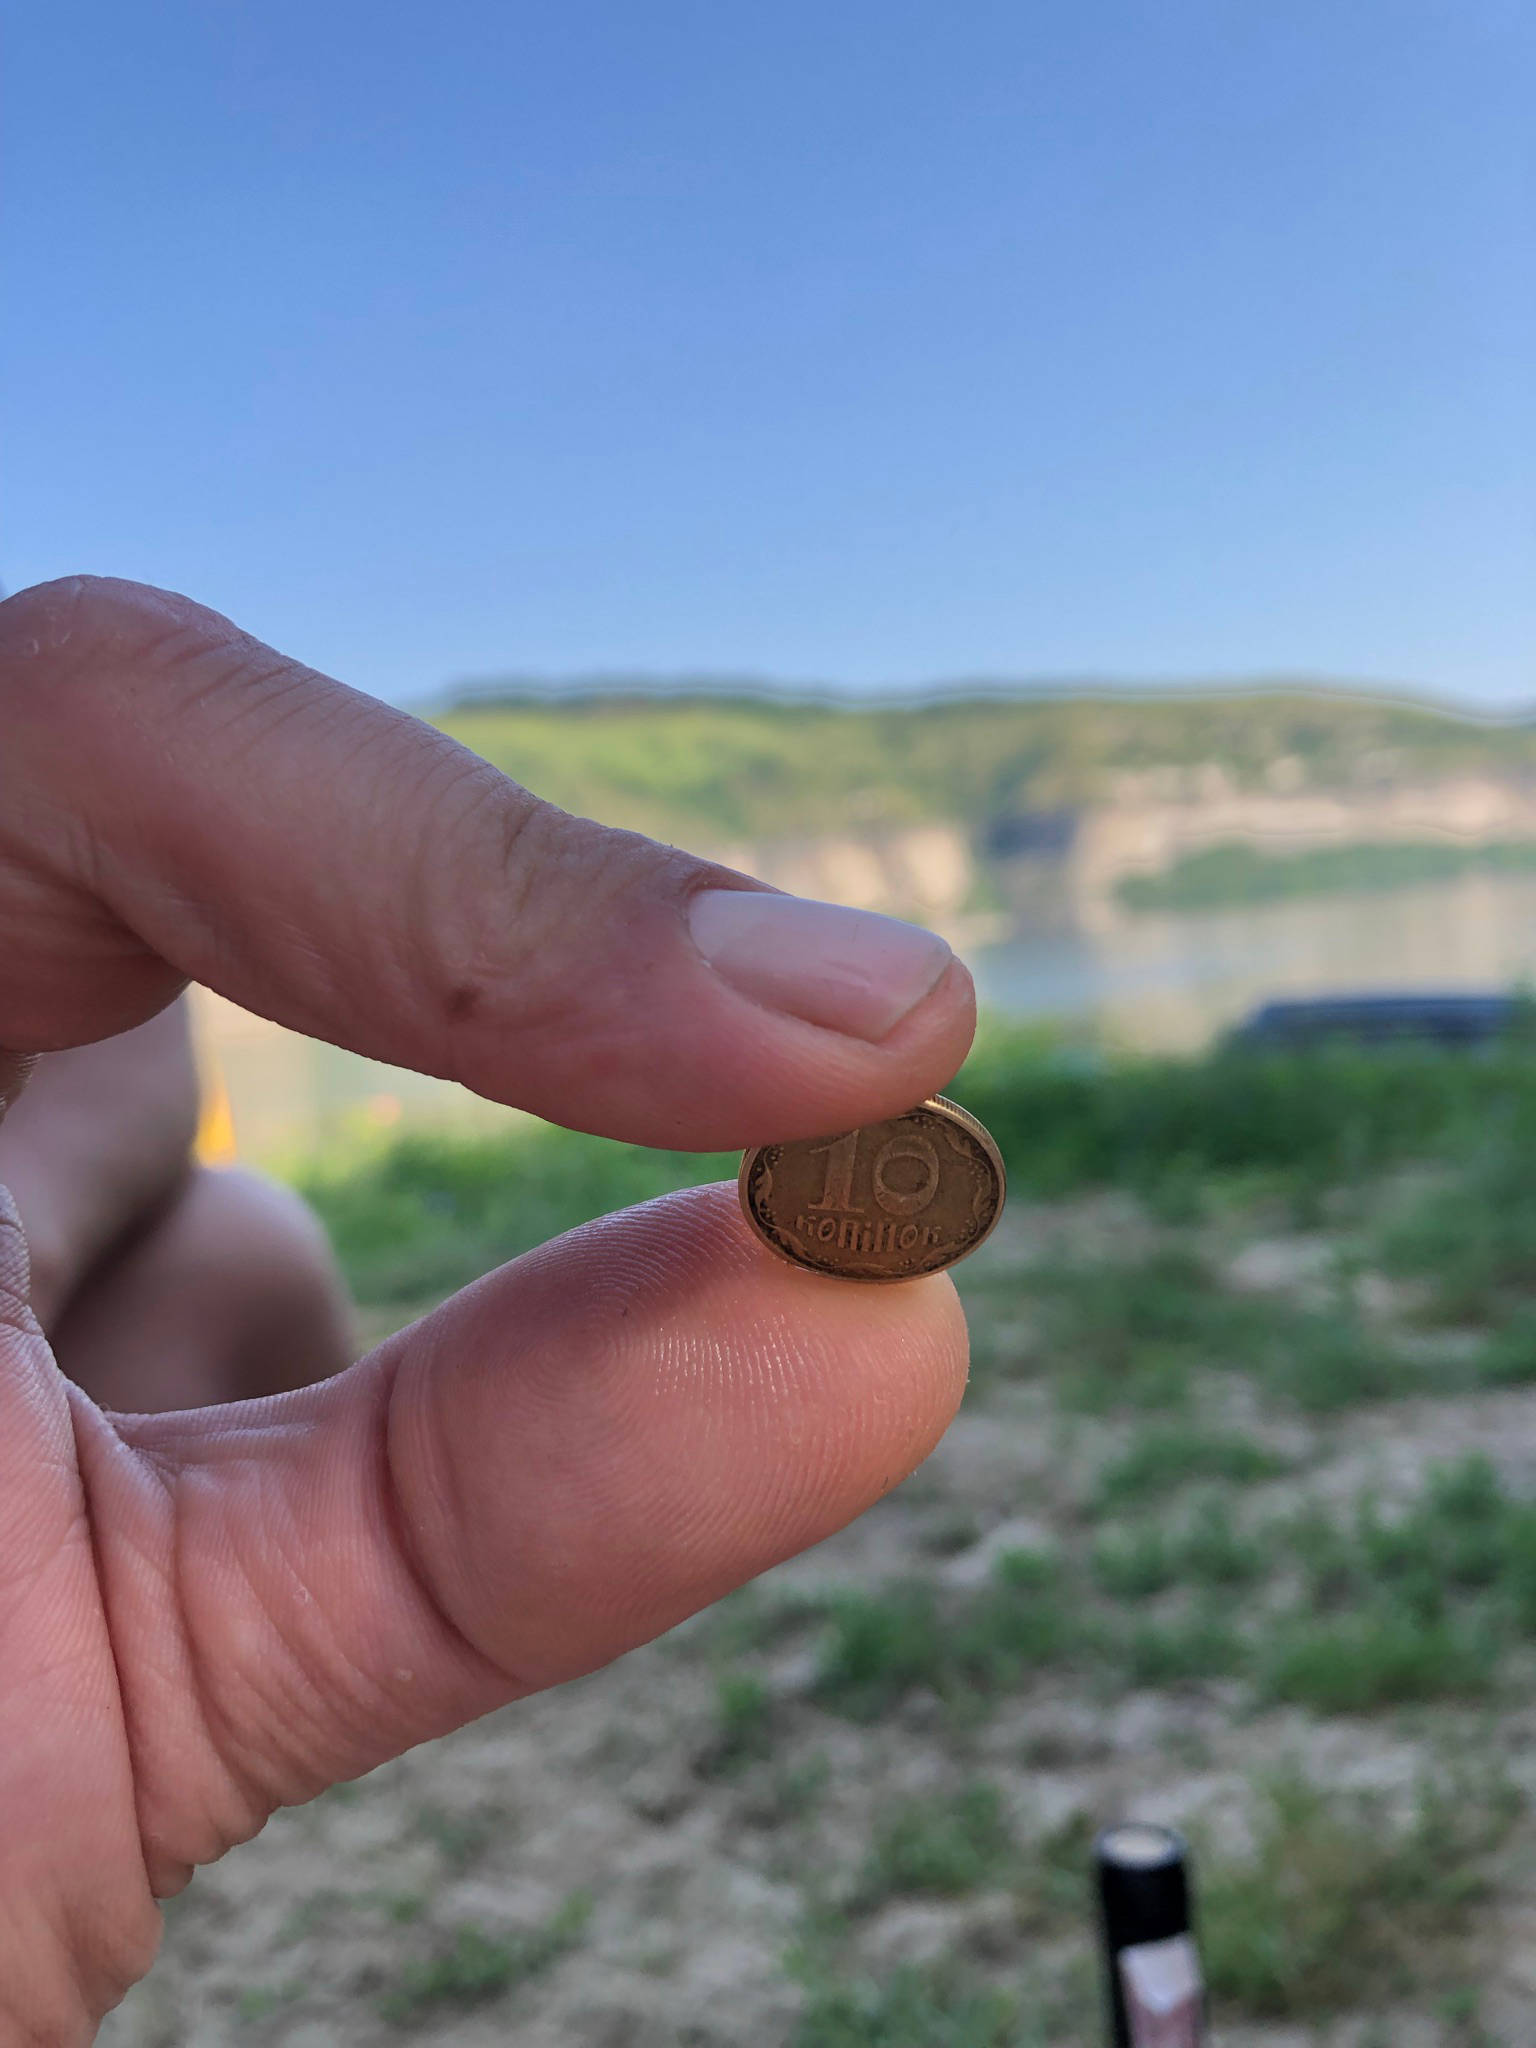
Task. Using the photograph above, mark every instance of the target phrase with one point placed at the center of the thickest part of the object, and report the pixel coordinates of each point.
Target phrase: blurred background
(1064, 475)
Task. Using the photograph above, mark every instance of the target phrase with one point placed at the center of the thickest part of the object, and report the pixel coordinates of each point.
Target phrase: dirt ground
(703, 1844)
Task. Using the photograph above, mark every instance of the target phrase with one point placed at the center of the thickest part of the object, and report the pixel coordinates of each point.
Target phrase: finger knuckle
(519, 947)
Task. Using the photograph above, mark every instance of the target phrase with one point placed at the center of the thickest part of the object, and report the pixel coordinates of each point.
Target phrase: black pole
(1151, 1967)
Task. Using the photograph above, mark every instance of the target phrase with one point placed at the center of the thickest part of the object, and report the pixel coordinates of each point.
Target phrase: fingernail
(847, 970)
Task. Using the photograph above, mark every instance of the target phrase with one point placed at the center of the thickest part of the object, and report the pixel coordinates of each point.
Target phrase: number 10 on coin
(889, 1201)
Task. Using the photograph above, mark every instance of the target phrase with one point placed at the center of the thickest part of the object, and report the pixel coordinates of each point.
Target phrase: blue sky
(866, 342)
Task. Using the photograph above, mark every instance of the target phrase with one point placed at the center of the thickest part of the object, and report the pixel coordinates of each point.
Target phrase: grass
(968, 1651)
(1471, 1242)
(1214, 1552)
(1189, 1648)
(1343, 1617)
(461, 1837)
(418, 1213)
(1162, 1459)
(1464, 1536)
(877, 1647)
(262, 2001)
(1128, 1335)
(881, 1645)
(743, 1724)
(318, 1911)
(1136, 1563)
(1385, 1655)
(911, 2007)
(1321, 1361)
(1508, 1356)
(1341, 1903)
(471, 1968)
(938, 1847)
(1104, 1315)
(1412, 1606)
(947, 1847)
(422, 1213)
(1311, 1121)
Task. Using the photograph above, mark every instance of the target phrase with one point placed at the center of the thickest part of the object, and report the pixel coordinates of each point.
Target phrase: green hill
(708, 768)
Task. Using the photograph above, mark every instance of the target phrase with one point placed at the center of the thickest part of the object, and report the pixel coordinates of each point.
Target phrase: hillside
(993, 804)
(752, 765)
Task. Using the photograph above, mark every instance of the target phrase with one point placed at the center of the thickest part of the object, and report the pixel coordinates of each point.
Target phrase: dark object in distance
(1385, 1020)
(1151, 1966)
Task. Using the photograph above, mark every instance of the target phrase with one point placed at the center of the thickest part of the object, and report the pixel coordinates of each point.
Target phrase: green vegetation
(1210, 1551)
(1420, 1605)
(1508, 1358)
(877, 1647)
(1471, 1243)
(1344, 1904)
(419, 1213)
(318, 1912)
(1235, 873)
(951, 1847)
(1190, 1648)
(1128, 1335)
(471, 1968)
(262, 2001)
(1381, 1656)
(1291, 1123)
(1344, 1616)
(939, 1847)
(1162, 1459)
(1343, 1900)
(720, 769)
(462, 1838)
(744, 1724)
(937, 2007)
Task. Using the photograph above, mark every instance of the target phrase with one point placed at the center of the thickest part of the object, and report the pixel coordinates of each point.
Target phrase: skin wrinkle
(302, 1688)
(202, 1759)
(99, 1950)
(15, 1267)
(69, 2022)
(547, 860)
(279, 1728)
(462, 939)
(222, 1786)
(397, 1524)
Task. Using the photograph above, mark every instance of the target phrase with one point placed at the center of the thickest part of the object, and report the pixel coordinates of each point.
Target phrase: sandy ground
(699, 1882)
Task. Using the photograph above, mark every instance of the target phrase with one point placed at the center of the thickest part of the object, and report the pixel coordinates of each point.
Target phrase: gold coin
(888, 1201)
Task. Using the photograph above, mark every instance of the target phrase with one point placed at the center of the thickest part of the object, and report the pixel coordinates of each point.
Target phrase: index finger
(178, 802)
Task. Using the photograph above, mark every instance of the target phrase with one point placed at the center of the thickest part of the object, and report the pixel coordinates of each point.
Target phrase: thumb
(562, 1461)
(177, 801)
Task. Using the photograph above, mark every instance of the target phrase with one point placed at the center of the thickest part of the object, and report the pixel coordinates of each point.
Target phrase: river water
(1170, 981)
(1157, 981)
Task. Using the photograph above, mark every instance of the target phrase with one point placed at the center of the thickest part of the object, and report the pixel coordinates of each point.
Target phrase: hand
(206, 1615)
(161, 1285)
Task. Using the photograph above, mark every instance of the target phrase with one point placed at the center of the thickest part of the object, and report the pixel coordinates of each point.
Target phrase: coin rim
(978, 1131)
